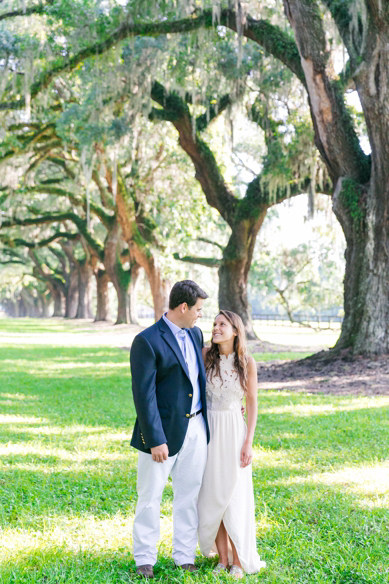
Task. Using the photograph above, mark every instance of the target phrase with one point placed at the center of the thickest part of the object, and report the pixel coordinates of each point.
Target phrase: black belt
(195, 414)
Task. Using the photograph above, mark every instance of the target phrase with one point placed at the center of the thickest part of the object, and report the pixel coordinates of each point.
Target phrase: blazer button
(190, 395)
(187, 415)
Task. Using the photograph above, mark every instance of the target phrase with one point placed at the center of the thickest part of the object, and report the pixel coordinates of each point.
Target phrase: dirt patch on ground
(342, 375)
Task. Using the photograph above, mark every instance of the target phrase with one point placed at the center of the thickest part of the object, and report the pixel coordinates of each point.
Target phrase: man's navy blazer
(162, 388)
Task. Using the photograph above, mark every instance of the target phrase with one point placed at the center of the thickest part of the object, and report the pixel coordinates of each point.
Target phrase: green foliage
(351, 197)
(98, 103)
(305, 278)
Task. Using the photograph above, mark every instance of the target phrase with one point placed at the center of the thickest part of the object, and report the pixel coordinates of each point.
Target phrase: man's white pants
(187, 470)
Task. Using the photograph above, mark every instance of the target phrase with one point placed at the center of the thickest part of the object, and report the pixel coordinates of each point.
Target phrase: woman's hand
(246, 454)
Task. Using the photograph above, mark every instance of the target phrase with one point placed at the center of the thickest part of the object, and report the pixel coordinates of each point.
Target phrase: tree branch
(208, 174)
(335, 135)
(80, 223)
(209, 262)
(42, 243)
(203, 121)
(106, 218)
(205, 240)
(36, 9)
(62, 164)
(271, 37)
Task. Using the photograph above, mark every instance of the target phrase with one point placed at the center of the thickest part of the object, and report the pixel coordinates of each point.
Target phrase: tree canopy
(79, 75)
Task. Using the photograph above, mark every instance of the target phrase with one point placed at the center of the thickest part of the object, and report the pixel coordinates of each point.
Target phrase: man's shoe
(146, 571)
(189, 567)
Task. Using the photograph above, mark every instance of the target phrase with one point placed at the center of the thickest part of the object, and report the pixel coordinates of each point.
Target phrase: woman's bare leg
(235, 557)
(222, 544)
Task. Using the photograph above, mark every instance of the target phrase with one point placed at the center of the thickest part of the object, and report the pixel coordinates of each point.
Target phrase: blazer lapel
(199, 356)
(171, 341)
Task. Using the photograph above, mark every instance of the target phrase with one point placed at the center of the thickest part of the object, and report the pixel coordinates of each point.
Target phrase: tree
(21, 294)
(360, 181)
(244, 217)
(304, 279)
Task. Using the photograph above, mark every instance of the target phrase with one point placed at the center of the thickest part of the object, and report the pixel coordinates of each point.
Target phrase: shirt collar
(173, 327)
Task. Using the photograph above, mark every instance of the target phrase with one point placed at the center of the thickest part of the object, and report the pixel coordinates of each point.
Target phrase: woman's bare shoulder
(251, 364)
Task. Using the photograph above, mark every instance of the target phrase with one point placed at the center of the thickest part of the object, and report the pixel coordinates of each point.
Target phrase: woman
(226, 500)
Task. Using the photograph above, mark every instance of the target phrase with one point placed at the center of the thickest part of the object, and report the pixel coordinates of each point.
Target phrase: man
(171, 430)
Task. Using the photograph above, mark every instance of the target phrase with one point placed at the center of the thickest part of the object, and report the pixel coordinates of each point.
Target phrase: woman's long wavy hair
(212, 357)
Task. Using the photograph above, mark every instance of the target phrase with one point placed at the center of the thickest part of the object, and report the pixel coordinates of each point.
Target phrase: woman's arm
(246, 454)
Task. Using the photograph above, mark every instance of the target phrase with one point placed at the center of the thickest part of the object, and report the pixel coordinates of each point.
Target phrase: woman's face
(222, 330)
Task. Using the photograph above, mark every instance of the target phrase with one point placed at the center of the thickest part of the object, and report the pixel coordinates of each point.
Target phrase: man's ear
(184, 307)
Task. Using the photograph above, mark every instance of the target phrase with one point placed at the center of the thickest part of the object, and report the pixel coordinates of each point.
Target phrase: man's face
(191, 315)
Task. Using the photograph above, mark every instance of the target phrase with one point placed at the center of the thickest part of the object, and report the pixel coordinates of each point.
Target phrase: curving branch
(209, 262)
(80, 223)
(335, 135)
(208, 173)
(203, 121)
(106, 218)
(18, 241)
(173, 109)
(275, 41)
(205, 240)
(36, 9)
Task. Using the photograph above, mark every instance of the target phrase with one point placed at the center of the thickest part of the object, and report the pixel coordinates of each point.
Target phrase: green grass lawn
(68, 477)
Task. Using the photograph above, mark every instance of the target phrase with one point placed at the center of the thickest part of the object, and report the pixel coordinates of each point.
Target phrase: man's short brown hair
(185, 291)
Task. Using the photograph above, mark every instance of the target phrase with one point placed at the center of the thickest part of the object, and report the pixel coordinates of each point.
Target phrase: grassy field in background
(68, 475)
(281, 333)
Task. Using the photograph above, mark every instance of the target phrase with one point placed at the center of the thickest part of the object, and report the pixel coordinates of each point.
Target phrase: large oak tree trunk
(122, 315)
(156, 281)
(355, 234)
(234, 270)
(71, 305)
(370, 334)
(13, 308)
(84, 278)
(72, 293)
(22, 312)
(133, 294)
(361, 195)
(30, 304)
(365, 327)
(102, 281)
(233, 293)
(119, 277)
(44, 305)
(142, 255)
(57, 297)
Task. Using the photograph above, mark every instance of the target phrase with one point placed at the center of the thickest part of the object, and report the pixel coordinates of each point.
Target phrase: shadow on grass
(318, 536)
(34, 325)
(335, 437)
(61, 565)
(65, 385)
(65, 423)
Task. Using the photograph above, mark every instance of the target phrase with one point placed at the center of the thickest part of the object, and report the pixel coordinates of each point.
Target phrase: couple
(187, 396)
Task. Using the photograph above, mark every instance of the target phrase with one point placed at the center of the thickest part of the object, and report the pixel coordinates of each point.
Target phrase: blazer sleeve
(144, 372)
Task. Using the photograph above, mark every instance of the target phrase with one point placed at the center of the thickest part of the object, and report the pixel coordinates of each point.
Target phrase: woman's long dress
(227, 490)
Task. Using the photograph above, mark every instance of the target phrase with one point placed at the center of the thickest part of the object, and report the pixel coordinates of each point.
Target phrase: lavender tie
(182, 336)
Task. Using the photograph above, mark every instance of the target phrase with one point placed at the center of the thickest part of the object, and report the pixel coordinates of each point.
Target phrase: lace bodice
(224, 392)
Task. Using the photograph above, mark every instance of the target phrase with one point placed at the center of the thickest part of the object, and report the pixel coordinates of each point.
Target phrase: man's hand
(160, 453)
